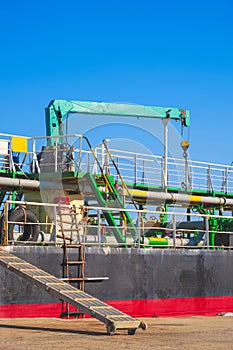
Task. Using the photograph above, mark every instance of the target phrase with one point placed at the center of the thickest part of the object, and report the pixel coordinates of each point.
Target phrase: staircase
(113, 318)
(101, 191)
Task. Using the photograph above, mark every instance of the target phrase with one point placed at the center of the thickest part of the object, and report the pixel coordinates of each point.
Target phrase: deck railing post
(174, 229)
(98, 228)
(139, 220)
(53, 237)
(102, 156)
(209, 181)
(105, 159)
(135, 169)
(11, 163)
(143, 172)
(34, 157)
(56, 163)
(226, 179)
(79, 155)
(5, 224)
(207, 232)
(165, 142)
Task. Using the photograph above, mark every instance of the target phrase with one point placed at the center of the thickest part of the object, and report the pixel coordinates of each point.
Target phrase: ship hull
(142, 283)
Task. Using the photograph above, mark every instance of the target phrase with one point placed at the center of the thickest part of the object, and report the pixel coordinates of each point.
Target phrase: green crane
(58, 110)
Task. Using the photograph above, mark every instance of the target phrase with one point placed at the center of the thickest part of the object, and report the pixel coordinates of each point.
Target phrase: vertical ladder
(68, 226)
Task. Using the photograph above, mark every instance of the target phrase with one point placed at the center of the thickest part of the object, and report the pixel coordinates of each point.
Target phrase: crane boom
(58, 110)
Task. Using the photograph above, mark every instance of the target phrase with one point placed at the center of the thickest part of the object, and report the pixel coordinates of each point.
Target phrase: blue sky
(170, 53)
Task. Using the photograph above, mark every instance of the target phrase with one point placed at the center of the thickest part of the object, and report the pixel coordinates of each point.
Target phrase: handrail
(98, 163)
(131, 166)
(156, 212)
(172, 232)
(119, 173)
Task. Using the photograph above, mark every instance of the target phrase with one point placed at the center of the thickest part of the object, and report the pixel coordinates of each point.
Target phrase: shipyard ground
(162, 333)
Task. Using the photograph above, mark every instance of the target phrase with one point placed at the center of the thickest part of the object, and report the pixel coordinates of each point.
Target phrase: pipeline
(35, 185)
(179, 198)
(172, 198)
(19, 183)
(159, 241)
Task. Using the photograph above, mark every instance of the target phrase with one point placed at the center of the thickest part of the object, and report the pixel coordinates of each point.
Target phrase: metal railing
(136, 168)
(181, 229)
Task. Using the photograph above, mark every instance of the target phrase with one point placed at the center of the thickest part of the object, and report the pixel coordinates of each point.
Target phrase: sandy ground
(162, 333)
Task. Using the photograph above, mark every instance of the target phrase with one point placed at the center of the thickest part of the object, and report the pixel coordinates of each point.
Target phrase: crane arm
(58, 110)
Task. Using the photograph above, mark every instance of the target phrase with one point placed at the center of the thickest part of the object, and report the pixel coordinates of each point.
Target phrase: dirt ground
(162, 333)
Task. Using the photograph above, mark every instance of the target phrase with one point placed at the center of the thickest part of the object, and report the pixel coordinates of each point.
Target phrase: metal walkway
(113, 318)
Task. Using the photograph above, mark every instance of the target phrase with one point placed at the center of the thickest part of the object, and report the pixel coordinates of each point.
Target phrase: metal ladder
(71, 227)
(111, 317)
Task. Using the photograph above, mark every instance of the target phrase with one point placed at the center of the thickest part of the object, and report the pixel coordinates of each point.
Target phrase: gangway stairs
(109, 198)
(113, 318)
(90, 187)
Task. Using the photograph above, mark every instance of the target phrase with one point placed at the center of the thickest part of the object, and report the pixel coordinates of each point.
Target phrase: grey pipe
(26, 184)
(19, 183)
(180, 198)
(159, 197)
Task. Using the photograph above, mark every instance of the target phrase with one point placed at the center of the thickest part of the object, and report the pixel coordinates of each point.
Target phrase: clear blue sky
(162, 53)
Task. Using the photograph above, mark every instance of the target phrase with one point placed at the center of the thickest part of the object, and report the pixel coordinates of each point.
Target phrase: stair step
(66, 222)
(73, 245)
(65, 238)
(69, 229)
(85, 279)
(74, 262)
(67, 212)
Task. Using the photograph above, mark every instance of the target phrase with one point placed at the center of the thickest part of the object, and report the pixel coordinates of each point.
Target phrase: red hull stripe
(203, 306)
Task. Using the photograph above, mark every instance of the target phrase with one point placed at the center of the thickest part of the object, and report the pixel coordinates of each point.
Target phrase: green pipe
(211, 238)
(153, 241)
